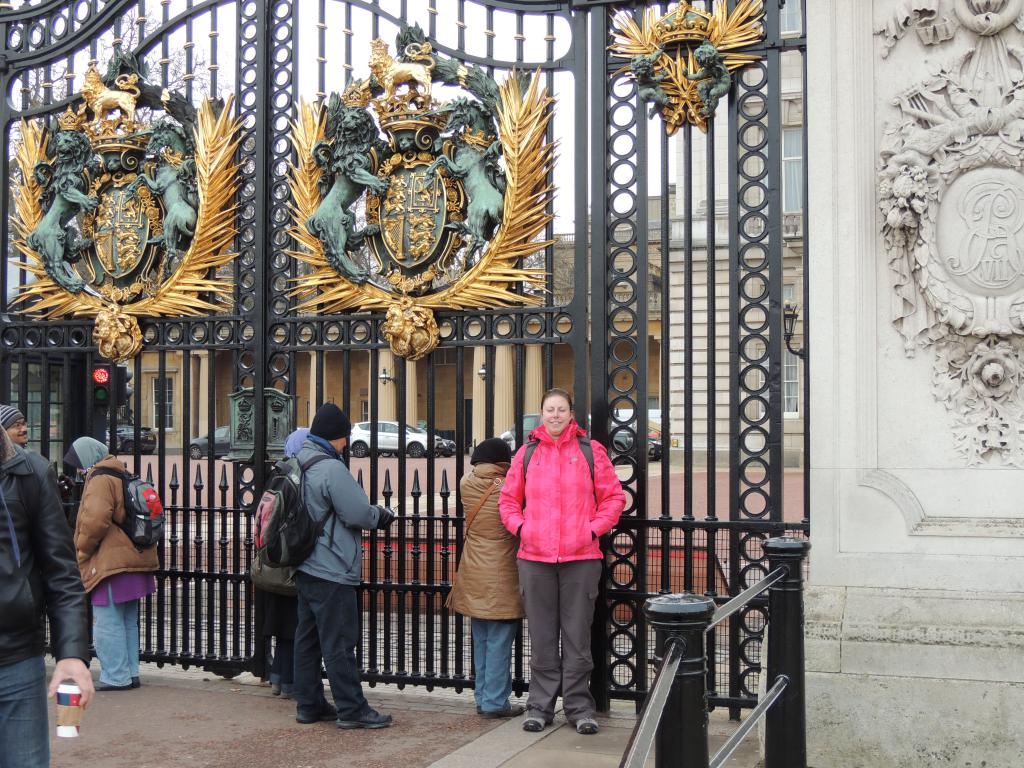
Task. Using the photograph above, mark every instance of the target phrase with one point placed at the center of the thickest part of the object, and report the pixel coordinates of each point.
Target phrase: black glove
(385, 517)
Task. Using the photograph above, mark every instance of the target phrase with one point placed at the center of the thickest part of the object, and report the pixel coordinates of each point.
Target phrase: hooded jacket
(102, 547)
(329, 489)
(565, 511)
(38, 575)
(487, 584)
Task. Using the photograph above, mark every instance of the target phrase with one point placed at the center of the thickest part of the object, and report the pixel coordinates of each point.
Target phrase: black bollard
(682, 738)
(786, 721)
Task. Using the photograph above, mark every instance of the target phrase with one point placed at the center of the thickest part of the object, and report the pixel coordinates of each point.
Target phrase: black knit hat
(330, 423)
(493, 450)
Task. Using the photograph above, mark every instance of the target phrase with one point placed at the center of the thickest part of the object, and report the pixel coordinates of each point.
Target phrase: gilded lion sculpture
(410, 330)
(391, 73)
(103, 100)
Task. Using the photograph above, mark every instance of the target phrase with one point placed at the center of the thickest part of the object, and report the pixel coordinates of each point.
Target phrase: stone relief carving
(920, 15)
(951, 198)
(982, 383)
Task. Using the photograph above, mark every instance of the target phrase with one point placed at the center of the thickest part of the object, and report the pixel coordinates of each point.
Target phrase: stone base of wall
(914, 678)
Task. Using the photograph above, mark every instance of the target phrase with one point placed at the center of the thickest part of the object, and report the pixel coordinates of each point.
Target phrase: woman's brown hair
(556, 392)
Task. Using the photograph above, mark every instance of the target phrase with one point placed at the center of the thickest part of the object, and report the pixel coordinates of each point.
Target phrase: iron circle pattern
(750, 650)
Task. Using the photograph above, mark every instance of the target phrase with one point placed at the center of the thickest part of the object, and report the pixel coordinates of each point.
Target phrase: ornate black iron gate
(671, 263)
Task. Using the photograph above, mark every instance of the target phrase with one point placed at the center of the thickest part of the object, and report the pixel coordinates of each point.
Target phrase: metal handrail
(642, 738)
(728, 609)
(726, 750)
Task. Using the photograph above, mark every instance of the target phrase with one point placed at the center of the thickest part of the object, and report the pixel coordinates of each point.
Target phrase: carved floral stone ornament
(683, 62)
(951, 198)
(407, 204)
(122, 215)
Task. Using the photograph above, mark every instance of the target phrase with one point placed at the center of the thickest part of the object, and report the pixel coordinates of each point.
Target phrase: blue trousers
(492, 663)
(115, 633)
(328, 628)
(282, 664)
(24, 732)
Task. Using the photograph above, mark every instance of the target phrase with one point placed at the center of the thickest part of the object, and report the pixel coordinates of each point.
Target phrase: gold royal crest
(120, 219)
(439, 211)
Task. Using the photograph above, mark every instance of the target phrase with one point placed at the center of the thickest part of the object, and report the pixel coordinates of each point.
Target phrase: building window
(791, 21)
(792, 170)
(163, 402)
(790, 384)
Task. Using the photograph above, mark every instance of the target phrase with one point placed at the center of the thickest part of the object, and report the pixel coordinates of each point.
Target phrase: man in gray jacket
(328, 624)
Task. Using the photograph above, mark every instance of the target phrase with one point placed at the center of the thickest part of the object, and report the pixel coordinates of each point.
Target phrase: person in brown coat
(487, 583)
(115, 573)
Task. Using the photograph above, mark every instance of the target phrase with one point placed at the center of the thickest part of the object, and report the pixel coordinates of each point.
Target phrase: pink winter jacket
(561, 519)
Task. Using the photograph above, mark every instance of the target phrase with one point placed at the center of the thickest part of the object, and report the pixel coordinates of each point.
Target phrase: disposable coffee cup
(69, 710)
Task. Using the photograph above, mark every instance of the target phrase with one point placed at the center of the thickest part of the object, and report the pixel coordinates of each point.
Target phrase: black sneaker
(327, 712)
(136, 683)
(109, 687)
(510, 710)
(372, 719)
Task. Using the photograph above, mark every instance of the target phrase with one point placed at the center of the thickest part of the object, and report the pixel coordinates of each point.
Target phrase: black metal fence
(663, 306)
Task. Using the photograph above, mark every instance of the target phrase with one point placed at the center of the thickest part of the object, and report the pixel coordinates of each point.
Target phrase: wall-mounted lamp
(482, 373)
(384, 376)
(790, 313)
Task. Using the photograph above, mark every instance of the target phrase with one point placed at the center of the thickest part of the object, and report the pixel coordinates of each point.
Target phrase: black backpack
(285, 531)
(143, 511)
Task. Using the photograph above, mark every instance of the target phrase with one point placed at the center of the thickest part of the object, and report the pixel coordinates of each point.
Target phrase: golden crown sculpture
(682, 62)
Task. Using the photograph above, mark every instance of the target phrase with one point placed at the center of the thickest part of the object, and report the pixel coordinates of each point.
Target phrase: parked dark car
(200, 446)
(530, 422)
(126, 440)
(443, 446)
(622, 440)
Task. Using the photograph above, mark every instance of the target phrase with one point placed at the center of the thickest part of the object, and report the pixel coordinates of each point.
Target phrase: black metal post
(786, 722)
(682, 738)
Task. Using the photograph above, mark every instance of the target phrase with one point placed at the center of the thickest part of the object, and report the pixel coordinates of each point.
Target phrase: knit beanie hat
(330, 423)
(85, 452)
(493, 450)
(9, 415)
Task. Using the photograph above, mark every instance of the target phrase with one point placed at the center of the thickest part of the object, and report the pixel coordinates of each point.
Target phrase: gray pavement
(195, 719)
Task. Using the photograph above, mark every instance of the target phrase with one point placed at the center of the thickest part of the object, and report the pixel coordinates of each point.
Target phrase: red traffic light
(101, 374)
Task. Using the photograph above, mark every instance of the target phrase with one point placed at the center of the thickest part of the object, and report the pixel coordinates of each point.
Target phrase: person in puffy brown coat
(116, 574)
(487, 583)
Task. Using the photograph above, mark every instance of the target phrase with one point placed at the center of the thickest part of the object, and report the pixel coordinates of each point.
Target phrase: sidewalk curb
(496, 747)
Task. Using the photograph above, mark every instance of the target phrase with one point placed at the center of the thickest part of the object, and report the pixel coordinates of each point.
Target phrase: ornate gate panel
(610, 293)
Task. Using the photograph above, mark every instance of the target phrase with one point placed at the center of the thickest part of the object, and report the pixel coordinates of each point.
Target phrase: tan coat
(103, 549)
(487, 584)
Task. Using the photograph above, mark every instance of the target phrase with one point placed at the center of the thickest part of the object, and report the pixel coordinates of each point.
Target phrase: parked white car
(387, 440)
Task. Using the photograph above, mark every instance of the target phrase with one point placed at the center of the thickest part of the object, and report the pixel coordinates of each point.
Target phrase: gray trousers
(559, 600)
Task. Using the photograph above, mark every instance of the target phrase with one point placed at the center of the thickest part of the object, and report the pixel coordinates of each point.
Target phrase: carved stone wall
(951, 198)
(916, 264)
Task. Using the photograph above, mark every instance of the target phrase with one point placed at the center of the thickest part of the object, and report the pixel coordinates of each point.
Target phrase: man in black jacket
(38, 576)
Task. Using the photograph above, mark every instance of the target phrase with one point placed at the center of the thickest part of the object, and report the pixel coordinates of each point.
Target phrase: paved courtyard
(198, 720)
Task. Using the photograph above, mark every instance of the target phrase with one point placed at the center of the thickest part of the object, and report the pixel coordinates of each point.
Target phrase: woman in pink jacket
(559, 509)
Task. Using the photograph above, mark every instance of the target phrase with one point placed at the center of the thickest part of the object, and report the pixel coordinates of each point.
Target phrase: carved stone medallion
(951, 196)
